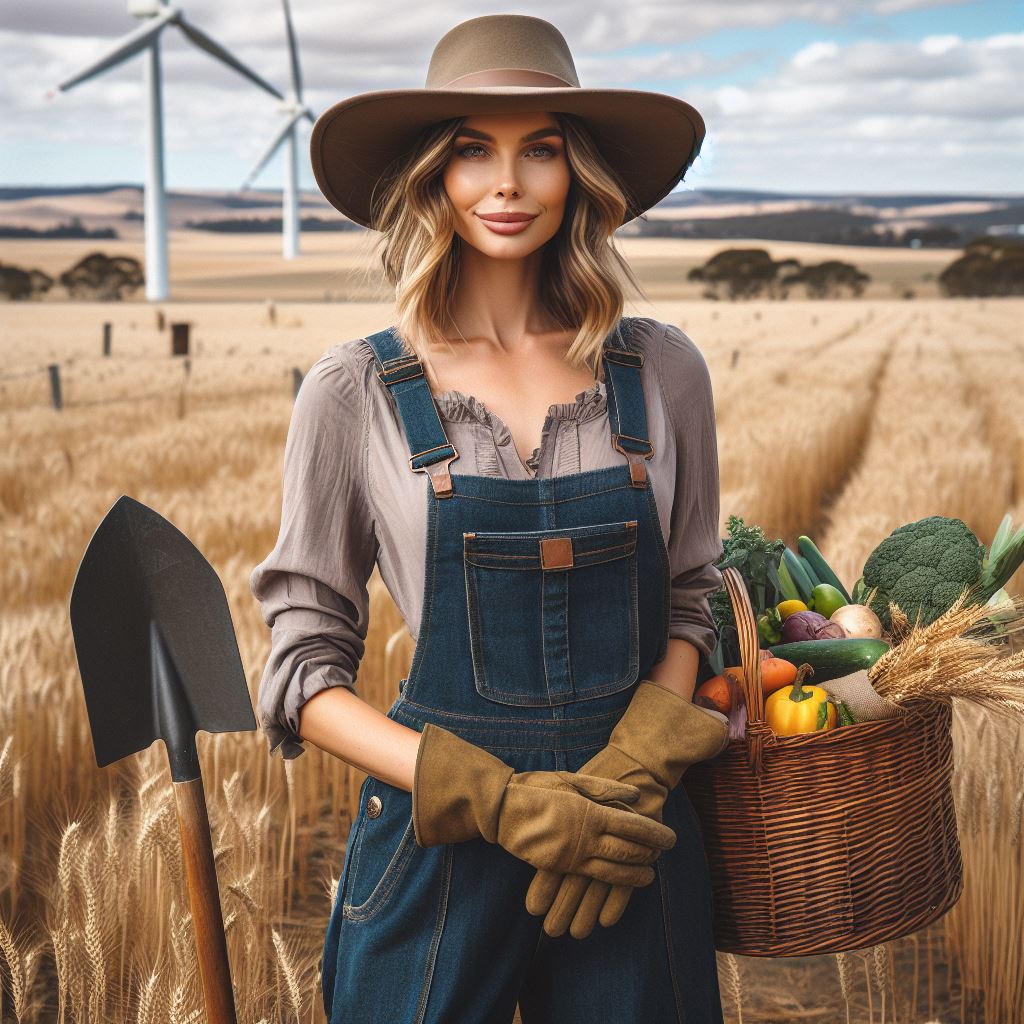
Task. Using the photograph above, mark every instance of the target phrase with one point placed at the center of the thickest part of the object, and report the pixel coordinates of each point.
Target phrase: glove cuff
(666, 732)
(457, 791)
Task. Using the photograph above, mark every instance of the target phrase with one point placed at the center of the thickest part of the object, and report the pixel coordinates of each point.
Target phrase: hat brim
(649, 138)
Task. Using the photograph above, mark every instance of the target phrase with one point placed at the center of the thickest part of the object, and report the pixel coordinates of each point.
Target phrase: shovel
(159, 660)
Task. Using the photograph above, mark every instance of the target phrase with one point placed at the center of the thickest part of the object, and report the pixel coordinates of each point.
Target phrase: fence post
(179, 339)
(106, 337)
(160, 321)
(296, 381)
(58, 402)
(735, 358)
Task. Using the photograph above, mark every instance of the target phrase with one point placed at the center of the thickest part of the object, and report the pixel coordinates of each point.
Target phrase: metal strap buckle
(403, 363)
(626, 451)
(624, 357)
(436, 448)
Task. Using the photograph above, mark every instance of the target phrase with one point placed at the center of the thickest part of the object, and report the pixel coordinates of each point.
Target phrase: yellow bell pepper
(787, 608)
(796, 709)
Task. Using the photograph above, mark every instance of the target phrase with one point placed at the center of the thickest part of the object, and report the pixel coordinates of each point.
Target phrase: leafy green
(757, 559)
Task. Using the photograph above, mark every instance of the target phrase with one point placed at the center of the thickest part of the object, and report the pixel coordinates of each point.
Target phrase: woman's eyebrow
(540, 133)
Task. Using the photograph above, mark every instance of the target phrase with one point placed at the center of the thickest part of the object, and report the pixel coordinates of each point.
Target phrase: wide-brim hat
(503, 63)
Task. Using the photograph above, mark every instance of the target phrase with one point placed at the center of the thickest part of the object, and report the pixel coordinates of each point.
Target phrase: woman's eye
(466, 151)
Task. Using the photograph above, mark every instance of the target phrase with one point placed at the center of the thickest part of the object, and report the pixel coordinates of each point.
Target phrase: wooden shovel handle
(204, 898)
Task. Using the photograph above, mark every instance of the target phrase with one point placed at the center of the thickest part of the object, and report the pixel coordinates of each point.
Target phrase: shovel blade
(146, 607)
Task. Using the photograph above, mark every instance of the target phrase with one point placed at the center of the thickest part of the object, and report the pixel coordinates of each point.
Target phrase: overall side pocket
(384, 846)
(552, 613)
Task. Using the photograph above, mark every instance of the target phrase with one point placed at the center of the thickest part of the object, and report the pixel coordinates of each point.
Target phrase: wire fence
(57, 382)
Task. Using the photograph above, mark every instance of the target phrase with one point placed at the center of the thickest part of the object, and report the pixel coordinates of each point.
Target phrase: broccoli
(923, 567)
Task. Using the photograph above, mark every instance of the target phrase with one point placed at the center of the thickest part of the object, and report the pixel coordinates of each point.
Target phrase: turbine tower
(294, 110)
(158, 14)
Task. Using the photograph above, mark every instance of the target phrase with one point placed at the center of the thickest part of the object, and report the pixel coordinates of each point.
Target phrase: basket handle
(757, 729)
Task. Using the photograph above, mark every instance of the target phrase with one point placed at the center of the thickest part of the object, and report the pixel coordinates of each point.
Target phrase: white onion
(858, 620)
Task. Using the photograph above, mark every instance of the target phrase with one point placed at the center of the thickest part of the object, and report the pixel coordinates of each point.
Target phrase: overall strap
(402, 374)
(627, 415)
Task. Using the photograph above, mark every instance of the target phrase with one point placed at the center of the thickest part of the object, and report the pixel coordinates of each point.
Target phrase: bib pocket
(553, 613)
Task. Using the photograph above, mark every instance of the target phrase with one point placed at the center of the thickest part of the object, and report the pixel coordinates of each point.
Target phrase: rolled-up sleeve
(312, 586)
(695, 543)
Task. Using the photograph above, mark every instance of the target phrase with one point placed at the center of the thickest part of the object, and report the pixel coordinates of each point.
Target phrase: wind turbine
(294, 110)
(158, 15)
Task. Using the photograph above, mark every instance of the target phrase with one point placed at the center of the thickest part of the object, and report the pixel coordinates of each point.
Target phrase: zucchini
(809, 569)
(799, 575)
(831, 659)
(786, 584)
(823, 570)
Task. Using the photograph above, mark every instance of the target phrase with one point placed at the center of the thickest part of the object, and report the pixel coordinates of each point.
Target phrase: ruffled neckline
(457, 406)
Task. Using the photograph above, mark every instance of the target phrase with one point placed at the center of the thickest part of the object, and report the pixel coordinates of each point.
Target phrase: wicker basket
(829, 841)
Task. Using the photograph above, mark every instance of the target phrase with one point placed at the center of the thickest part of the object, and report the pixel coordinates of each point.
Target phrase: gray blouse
(350, 500)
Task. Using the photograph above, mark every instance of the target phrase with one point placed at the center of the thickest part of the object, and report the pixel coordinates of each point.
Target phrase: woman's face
(508, 163)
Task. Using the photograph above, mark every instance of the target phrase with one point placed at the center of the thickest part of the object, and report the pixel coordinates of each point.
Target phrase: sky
(819, 96)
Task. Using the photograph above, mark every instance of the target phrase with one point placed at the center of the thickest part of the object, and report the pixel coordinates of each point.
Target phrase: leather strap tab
(556, 553)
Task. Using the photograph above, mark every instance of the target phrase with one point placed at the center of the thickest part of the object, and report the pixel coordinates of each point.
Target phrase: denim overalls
(545, 601)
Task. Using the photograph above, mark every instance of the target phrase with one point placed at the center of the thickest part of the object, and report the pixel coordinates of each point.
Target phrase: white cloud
(936, 46)
(814, 52)
(888, 112)
(877, 115)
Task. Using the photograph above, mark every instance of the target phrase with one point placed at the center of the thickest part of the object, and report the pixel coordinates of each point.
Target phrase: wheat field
(841, 420)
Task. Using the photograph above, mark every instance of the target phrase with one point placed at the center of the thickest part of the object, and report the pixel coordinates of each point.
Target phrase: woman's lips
(507, 227)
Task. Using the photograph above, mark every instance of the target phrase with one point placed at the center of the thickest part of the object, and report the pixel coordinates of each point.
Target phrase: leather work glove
(559, 820)
(658, 737)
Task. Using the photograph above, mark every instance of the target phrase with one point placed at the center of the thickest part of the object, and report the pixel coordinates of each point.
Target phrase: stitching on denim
(353, 842)
(521, 723)
(551, 501)
(579, 558)
(670, 950)
(428, 587)
(662, 549)
(565, 640)
(388, 880)
(435, 939)
(473, 617)
(606, 689)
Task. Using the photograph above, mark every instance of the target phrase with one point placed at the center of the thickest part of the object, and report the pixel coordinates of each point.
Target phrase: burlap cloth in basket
(864, 703)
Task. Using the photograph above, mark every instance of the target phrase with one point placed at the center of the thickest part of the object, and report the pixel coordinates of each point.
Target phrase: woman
(523, 786)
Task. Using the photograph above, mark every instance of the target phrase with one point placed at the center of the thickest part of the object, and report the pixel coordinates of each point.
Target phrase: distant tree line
(71, 229)
(989, 266)
(750, 273)
(828, 226)
(264, 225)
(96, 276)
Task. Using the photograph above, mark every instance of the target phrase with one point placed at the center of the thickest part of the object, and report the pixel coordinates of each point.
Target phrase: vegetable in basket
(831, 659)
(756, 558)
(924, 566)
(796, 709)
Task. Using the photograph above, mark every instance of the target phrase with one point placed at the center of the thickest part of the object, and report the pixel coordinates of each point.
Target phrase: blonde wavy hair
(582, 273)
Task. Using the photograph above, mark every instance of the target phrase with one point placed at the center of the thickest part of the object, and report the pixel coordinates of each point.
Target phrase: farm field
(340, 266)
(838, 419)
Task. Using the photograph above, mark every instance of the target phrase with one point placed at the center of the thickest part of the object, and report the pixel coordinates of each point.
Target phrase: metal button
(374, 807)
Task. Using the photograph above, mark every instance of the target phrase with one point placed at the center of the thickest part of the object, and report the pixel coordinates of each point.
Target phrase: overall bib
(545, 601)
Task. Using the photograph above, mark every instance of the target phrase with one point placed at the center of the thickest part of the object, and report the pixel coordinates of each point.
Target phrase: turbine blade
(307, 113)
(204, 42)
(293, 50)
(272, 148)
(127, 46)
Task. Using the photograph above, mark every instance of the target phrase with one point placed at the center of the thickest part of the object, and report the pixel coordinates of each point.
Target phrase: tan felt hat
(503, 63)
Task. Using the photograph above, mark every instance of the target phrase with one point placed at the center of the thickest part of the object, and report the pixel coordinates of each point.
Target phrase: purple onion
(810, 626)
